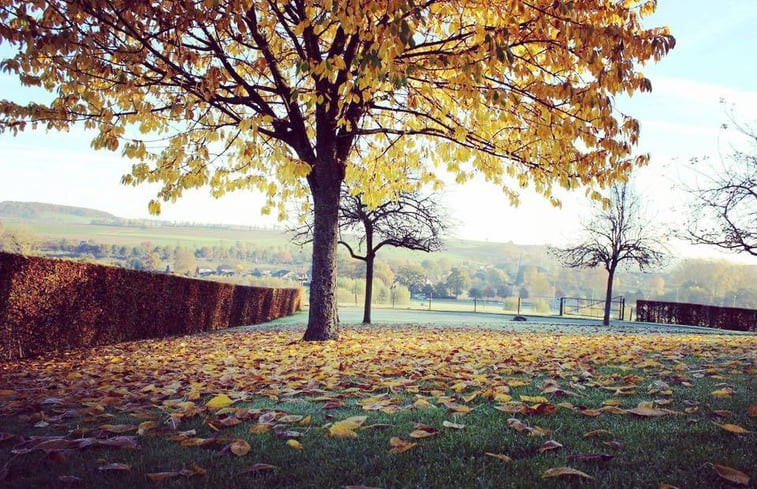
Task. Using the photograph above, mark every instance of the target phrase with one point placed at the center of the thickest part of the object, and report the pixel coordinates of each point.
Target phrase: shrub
(50, 305)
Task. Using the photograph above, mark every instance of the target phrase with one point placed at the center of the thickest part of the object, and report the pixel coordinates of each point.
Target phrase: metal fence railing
(595, 308)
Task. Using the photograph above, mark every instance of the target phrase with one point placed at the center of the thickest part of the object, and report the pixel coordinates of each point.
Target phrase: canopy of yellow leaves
(245, 94)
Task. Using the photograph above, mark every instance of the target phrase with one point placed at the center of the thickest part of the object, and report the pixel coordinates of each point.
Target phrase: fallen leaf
(647, 412)
(219, 401)
(733, 428)
(593, 433)
(550, 445)
(565, 472)
(752, 411)
(499, 456)
(399, 445)
(294, 444)
(590, 457)
(454, 426)
(69, 479)
(360, 487)
(732, 475)
(258, 468)
(239, 447)
(290, 418)
(727, 392)
(114, 466)
(666, 486)
(614, 444)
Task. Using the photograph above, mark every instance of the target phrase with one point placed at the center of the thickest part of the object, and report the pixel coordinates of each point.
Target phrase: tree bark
(608, 296)
(325, 187)
(368, 288)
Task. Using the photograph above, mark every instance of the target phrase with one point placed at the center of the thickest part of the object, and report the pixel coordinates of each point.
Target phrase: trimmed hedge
(731, 318)
(51, 305)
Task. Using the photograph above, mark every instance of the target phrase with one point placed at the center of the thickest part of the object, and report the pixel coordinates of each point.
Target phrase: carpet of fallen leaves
(163, 383)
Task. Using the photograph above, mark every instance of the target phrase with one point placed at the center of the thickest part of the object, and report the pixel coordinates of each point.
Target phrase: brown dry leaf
(590, 457)
(647, 412)
(752, 411)
(499, 456)
(614, 444)
(258, 468)
(360, 487)
(239, 447)
(399, 445)
(423, 431)
(550, 445)
(732, 475)
(667, 486)
(591, 412)
(565, 472)
(117, 428)
(261, 428)
(733, 428)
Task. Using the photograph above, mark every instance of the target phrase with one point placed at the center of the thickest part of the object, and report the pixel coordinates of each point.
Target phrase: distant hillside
(50, 212)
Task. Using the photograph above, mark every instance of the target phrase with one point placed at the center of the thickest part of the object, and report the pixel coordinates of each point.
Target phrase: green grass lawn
(483, 407)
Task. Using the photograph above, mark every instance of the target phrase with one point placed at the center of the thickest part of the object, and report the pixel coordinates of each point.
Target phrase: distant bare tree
(725, 210)
(617, 233)
(414, 221)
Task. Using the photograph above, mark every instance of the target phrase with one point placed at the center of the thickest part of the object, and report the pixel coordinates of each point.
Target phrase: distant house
(282, 274)
(225, 270)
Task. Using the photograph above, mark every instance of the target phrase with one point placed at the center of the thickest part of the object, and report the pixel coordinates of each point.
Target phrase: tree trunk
(608, 297)
(323, 320)
(368, 288)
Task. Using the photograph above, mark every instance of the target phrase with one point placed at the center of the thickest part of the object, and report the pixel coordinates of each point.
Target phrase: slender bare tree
(724, 212)
(413, 221)
(617, 233)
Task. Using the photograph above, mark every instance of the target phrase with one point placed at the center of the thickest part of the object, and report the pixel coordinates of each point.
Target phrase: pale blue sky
(714, 58)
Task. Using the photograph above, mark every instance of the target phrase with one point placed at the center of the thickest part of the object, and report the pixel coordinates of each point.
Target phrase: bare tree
(725, 210)
(617, 233)
(413, 221)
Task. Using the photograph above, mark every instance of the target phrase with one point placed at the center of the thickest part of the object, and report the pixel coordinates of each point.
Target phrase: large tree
(618, 233)
(724, 212)
(412, 220)
(295, 96)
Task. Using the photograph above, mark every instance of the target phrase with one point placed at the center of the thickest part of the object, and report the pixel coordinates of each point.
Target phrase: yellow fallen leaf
(727, 392)
(594, 433)
(732, 475)
(399, 445)
(499, 456)
(565, 472)
(305, 421)
(290, 418)
(534, 399)
(341, 430)
(421, 434)
(454, 426)
(220, 401)
(422, 404)
(733, 428)
(146, 426)
(294, 444)
(647, 412)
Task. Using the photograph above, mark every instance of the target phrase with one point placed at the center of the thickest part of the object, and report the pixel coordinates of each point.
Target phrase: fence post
(562, 303)
(518, 305)
(474, 304)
